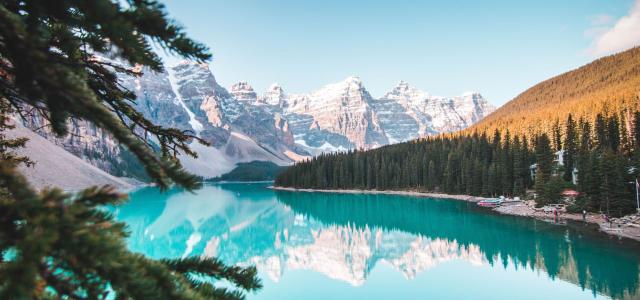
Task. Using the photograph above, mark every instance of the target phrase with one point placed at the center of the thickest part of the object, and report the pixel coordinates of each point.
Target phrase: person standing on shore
(584, 215)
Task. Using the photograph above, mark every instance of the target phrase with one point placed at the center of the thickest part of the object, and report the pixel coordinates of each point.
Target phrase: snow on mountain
(242, 91)
(238, 130)
(341, 108)
(436, 114)
(273, 96)
(242, 125)
(344, 115)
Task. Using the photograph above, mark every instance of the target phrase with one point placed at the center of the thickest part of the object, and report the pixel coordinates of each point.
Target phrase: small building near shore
(570, 195)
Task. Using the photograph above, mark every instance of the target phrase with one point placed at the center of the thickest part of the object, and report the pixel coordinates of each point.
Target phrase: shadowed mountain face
(314, 241)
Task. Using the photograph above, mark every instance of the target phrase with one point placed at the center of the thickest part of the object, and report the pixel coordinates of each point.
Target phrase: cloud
(624, 34)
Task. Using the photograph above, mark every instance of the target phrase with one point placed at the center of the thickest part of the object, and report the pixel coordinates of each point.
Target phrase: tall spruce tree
(507, 165)
(636, 130)
(56, 245)
(613, 133)
(584, 162)
(556, 133)
(601, 134)
(544, 163)
(570, 148)
(613, 187)
(518, 165)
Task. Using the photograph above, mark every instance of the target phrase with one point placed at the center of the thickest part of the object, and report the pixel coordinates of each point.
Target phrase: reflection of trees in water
(603, 265)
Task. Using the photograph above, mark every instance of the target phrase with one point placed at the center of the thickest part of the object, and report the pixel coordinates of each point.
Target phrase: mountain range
(243, 125)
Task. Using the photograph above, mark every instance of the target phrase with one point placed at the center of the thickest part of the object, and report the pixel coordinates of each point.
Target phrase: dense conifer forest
(596, 157)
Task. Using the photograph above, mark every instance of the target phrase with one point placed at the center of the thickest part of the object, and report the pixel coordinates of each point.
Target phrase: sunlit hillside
(607, 85)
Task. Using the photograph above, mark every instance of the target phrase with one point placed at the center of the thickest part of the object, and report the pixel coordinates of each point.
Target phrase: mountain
(344, 115)
(336, 116)
(55, 167)
(243, 125)
(608, 85)
(432, 114)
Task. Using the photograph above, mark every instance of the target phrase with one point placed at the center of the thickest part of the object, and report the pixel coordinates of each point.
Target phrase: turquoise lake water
(345, 246)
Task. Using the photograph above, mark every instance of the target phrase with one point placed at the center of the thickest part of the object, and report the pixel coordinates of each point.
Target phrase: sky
(497, 48)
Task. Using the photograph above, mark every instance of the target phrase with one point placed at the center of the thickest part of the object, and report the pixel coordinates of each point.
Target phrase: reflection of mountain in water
(345, 236)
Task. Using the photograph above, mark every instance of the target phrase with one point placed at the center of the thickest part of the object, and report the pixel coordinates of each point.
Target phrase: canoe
(490, 203)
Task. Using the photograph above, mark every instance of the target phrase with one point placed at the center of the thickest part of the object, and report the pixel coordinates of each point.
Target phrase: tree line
(596, 157)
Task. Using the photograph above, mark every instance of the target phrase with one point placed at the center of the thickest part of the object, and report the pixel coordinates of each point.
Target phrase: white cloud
(624, 34)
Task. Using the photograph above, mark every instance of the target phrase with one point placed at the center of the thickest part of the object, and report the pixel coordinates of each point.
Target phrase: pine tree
(612, 184)
(521, 168)
(528, 160)
(66, 246)
(557, 136)
(507, 165)
(601, 132)
(636, 130)
(613, 132)
(570, 148)
(544, 163)
(584, 163)
(626, 146)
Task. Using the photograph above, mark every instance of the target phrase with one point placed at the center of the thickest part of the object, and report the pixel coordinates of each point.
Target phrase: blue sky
(498, 48)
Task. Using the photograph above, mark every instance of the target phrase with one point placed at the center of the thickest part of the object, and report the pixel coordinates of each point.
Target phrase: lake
(346, 246)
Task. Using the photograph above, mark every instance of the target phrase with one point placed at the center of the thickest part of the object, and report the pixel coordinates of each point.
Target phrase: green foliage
(51, 65)
(570, 148)
(60, 60)
(551, 191)
(544, 162)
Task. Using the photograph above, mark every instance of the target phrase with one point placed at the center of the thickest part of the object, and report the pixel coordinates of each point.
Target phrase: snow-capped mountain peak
(242, 91)
(274, 95)
(404, 92)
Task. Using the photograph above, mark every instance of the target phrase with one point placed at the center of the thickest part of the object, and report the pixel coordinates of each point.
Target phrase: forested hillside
(608, 85)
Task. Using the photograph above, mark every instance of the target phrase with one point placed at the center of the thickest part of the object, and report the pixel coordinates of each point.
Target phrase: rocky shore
(626, 227)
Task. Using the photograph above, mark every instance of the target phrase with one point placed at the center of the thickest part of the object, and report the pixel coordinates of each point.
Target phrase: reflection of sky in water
(328, 246)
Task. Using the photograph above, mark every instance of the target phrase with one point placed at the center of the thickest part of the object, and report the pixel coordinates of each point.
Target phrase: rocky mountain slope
(243, 125)
(55, 167)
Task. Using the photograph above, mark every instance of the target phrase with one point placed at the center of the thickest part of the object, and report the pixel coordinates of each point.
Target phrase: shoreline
(399, 193)
(520, 209)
